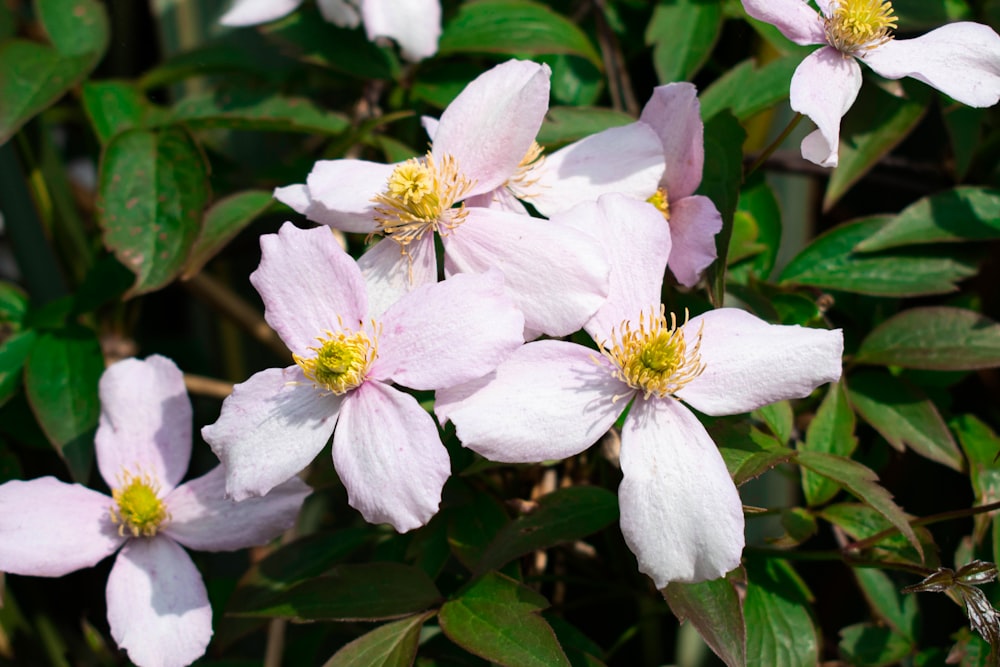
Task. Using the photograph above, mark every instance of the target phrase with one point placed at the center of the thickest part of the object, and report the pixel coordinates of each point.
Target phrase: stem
(206, 386)
(925, 521)
(766, 153)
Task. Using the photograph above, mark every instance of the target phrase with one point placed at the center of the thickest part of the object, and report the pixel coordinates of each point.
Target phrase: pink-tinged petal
(158, 608)
(309, 285)
(203, 519)
(674, 113)
(430, 125)
(824, 87)
(551, 399)
(252, 12)
(271, 427)
(680, 512)
(51, 528)
(389, 456)
(962, 60)
(557, 275)
(340, 193)
(626, 160)
(448, 333)
(490, 126)
(501, 199)
(750, 363)
(694, 222)
(295, 197)
(415, 25)
(389, 274)
(826, 6)
(794, 18)
(638, 242)
(340, 13)
(145, 425)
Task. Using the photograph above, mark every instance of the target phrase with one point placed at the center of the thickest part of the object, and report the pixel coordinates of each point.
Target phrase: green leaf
(152, 189)
(364, 592)
(14, 351)
(60, 379)
(33, 76)
(981, 445)
(903, 415)
(746, 89)
(901, 612)
(749, 452)
(13, 307)
(862, 483)
(223, 221)
(832, 432)
(113, 107)
(472, 527)
(251, 110)
(780, 627)
(875, 124)
(563, 125)
(868, 645)
(391, 645)
(934, 338)
(779, 417)
(962, 214)
(715, 609)
(830, 262)
(861, 522)
(760, 212)
(965, 127)
(514, 27)
(497, 619)
(561, 516)
(722, 177)
(682, 34)
(799, 524)
(576, 82)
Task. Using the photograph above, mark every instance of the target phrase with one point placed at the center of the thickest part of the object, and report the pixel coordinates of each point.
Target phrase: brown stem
(619, 84)
(235, 308)
(925, 521)
(199, 385)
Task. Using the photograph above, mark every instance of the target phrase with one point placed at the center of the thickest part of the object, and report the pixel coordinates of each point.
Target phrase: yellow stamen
(654, 357)
(661, 202)
(527, 174)
(342, 361)
(860, 25)
(138, 507)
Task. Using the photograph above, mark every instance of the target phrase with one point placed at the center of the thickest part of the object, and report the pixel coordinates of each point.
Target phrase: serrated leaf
(682, 34)
(861, 522)
(901, 612)
(749, 452)
(832, 432)
(982, 446)
(250, 110)
(903, 415)
(715, 609)
(780, 627)
(391, 645)
(747, 89)
(222, 222)
(563, 125)
(799, 524)
(153, 186)
(497, 619)
(934, 338)
(514, 27)
(868, 645)
(722, 177)
(779, 417)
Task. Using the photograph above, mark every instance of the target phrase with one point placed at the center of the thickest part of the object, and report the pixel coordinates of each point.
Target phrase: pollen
(856, 26)
(341, 362)
(522, 183)
(138, 507)
(654, 356)
(661, 202)
(419, 197)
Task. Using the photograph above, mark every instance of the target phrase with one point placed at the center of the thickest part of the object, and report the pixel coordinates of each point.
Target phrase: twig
(200, 385)
(232, 306)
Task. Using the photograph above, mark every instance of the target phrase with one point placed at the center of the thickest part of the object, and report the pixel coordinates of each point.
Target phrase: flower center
(654, 357)
(419, 197)
(860, 25)
(661, 202)
(138, 508)
(341, 363)
(528, 173)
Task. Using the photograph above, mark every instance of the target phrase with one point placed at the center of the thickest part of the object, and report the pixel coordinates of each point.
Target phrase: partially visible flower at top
(414, 24)
(557, 276)
(961, 60)
(158, 608)
(386, 448)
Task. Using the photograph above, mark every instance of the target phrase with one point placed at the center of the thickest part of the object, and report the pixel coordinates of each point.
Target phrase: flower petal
(750, 363)
(389, 274)
(794, 18)
(490, 126)
(674, 113)
(448, 333)
(680, 512)
(339, 193)
(202, 518)
(557, 275)
(625, 159)
(51, 528)
(961, 60)
(694, 222)
(271, 427)
(340, 13)
(145, 425)
(389, 456)
(252, 12)
(415, 25)
(824, 87)
(158, 609)
(309, 285)
(551, 399)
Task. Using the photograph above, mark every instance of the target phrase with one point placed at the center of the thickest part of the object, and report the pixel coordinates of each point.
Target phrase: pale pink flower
(680, 511)
(386, 448)
(558, 278)
(961, 60)
(158, 609)
(415, 24)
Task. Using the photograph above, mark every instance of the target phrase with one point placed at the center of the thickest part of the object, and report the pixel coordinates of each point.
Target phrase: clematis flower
(158, 609)
(415, 24)
(961, 60)
(681, 514)
(558, 278)
(386, 448)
